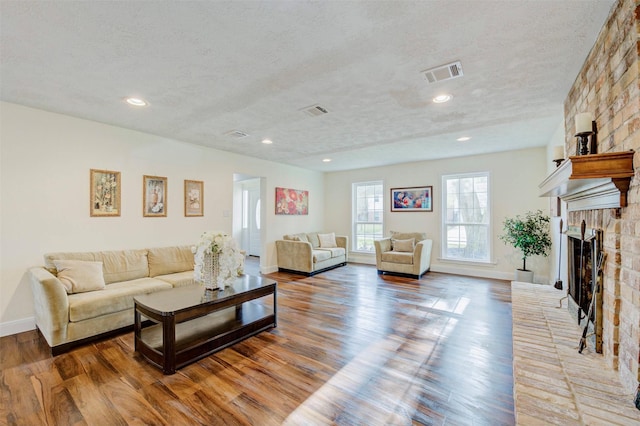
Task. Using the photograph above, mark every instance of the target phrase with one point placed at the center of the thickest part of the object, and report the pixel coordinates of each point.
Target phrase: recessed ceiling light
(442, 98)
(463, 139)
(326, 160)
(136, 102)
(267, 141)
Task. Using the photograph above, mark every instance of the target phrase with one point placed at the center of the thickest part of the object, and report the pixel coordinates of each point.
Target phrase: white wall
(44, 188)
(515, 176)
(558, 241)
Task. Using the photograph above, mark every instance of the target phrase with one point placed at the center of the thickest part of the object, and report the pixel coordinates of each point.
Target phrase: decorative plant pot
(524, 276)
(211, 270)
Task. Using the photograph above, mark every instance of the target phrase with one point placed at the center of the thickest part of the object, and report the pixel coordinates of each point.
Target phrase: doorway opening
(248, 213)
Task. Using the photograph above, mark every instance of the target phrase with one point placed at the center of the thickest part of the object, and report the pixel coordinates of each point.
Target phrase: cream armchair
(404, 253)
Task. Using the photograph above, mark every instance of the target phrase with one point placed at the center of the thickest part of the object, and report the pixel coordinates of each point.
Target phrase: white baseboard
(473, 272)
(17, 326)
(268, 269)
(364, 258)
(483, 273)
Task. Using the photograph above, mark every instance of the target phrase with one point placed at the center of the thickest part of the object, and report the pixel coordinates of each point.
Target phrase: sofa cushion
(178, 279)
(120, 265)
(169, 260)
(296, 237)
(320, 255)
(313, 239)
(405, 246)
(124, 265)
(114, 298)
(327, 240)
(335, 251)
(78, 276)
(419, 236)
(397, 257)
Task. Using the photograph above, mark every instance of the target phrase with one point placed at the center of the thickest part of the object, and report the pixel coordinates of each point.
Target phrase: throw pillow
(78, 276)
(328, 240)
(406, 246)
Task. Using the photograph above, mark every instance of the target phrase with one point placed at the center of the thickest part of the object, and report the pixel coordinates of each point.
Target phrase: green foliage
(529, 234)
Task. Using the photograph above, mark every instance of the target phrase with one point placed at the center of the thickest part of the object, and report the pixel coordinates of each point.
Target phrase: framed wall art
(292, 201)
(414, 199)
(193, 198)
(104, 193)
(154, 196)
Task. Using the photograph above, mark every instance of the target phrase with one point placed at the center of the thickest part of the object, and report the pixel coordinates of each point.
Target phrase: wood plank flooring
(351, 348)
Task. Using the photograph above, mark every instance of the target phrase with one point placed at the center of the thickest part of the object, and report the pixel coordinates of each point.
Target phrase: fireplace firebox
(584, 250)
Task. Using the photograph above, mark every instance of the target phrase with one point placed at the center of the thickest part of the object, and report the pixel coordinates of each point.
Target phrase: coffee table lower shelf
(200, 337)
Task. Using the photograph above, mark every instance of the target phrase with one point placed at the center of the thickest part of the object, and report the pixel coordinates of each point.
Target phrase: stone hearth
(553, 384)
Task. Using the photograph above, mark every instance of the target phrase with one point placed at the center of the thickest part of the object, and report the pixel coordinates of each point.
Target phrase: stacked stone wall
(609, 87)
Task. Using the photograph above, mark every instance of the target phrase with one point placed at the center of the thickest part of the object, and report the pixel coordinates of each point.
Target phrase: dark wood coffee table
(188, 323)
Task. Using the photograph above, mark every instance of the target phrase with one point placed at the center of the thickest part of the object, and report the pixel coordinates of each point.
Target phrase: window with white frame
(466, 217)
(368, 211)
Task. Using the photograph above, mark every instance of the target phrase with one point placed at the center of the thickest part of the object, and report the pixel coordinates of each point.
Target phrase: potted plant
(530, 234)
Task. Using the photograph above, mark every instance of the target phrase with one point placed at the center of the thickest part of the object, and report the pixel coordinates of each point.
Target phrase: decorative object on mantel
(529, 234)
(585, 127)
(218, 261)
(590, 182)
(558, 155)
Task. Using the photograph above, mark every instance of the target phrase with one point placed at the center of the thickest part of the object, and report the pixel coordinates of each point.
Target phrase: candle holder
(583, 141)
(558, 155)
(586, 131)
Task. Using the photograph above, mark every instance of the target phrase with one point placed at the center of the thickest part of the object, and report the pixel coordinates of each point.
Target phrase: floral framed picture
(154, 196)
(292, 201)
(193, 198)
(413, 199)
(104, 193)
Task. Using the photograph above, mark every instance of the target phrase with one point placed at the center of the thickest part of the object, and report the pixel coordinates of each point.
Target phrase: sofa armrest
(381, 246)
(422, 256)
(51, 303)
(294, 255)
(343, 241)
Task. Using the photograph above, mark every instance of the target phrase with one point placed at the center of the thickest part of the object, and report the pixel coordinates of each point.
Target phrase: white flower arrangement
(230, 259)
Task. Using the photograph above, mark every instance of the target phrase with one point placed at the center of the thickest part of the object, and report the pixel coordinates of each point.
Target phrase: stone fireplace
(595, 188)
(608, 87)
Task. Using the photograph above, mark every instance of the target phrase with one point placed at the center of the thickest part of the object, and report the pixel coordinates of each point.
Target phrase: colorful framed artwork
(414, 199)
(292, 201)
(104, 193)
(193, 198)
(154, 196)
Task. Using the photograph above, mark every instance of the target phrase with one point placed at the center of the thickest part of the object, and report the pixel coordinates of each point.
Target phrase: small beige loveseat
(85, 295)
(310, 253)
(404, 253)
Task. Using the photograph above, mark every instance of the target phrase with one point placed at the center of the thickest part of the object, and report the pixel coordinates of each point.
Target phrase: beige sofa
(313, 252)
(404, 253)
(86, 295)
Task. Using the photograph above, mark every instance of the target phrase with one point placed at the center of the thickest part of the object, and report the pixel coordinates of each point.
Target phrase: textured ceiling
(208, 68)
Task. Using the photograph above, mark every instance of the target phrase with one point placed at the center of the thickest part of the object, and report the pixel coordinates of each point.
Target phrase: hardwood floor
(351, 348)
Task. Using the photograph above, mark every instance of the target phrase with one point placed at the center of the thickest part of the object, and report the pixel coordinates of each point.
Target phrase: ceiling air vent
(314, 110)
(443, 72)
(236, 134)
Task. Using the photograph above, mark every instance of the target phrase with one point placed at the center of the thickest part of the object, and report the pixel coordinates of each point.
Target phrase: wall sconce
(585, 127)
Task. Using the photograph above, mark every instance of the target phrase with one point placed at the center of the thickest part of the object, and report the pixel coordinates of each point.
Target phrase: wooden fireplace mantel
(589, 182)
